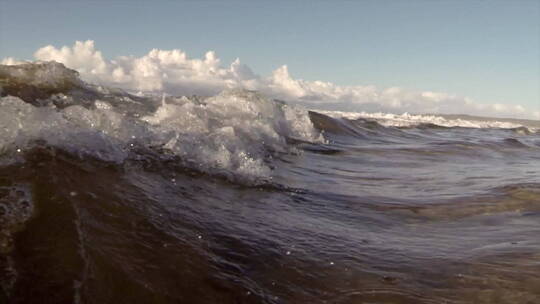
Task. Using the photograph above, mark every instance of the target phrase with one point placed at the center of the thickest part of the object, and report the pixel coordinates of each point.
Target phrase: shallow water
(241, 199)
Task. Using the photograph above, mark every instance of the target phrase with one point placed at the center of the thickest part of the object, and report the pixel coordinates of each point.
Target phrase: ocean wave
(407, 120)
(233, 134)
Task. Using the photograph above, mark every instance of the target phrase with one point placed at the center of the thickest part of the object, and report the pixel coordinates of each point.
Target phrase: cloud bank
(173, 72)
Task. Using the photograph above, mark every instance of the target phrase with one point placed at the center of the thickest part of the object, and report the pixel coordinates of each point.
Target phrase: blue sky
(486, 50)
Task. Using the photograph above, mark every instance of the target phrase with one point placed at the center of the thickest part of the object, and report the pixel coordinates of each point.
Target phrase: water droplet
(288, 253)
(73, 193)
(19, 150)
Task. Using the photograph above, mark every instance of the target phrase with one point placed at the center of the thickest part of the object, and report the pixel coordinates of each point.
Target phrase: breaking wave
(410, 120)
(233, 134)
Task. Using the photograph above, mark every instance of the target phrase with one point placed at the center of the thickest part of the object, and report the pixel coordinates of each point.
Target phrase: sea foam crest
(233, 134)
(234, 130)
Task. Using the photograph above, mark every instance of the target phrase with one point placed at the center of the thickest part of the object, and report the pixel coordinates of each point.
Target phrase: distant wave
(411, 120)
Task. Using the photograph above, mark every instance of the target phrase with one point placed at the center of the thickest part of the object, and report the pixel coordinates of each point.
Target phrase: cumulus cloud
(173, 72)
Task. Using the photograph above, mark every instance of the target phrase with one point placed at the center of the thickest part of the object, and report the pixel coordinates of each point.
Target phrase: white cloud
(173, 72)
(82, 55)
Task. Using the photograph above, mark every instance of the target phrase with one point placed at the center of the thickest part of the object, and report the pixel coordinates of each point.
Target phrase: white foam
(231, 134)
(232, 131)
(75, 129)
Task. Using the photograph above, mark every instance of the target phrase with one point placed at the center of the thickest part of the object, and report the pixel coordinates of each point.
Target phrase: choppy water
(107, 197)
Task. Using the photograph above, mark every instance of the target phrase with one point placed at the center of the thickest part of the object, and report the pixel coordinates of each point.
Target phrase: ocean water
(108, 197)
